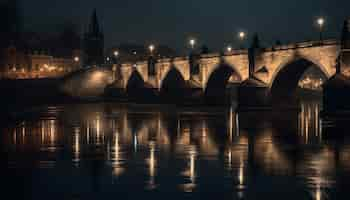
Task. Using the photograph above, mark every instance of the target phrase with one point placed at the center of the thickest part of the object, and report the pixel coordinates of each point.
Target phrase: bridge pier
(253, 95)
(336, 94)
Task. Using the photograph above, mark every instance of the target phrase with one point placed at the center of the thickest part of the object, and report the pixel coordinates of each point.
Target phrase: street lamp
(242, 35)
(116, 53)
(151, 48)
(192, 43)
(320, 23)
(229, 49)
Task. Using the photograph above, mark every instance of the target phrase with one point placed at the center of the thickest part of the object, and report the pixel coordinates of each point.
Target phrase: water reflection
(310, 122)
(181, 151)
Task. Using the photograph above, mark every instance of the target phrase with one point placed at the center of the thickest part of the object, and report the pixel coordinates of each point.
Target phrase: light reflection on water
(118, 151)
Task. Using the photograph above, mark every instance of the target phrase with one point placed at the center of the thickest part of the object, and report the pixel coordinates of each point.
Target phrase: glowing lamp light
(241, 35)
(76, 59)
(151, 48)
(229, 49)
(320, 22)
(192, 42)
(107, 58)
(116, 53)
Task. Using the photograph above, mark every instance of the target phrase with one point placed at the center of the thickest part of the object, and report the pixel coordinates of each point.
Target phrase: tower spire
(94, 42)
(94, 26)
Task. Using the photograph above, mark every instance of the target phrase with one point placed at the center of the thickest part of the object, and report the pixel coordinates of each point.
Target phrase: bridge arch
(135, 81)
(219, 78)
(181, 66)
(136, 88)
(286, 77)
(87, 82)
(173, 86)
(295, 59)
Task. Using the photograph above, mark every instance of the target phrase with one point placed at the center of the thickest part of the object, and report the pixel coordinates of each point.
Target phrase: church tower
(93, 43)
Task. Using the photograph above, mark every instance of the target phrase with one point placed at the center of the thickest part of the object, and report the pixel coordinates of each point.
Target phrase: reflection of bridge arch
(173, 85)
(219, 79)
(286, 77)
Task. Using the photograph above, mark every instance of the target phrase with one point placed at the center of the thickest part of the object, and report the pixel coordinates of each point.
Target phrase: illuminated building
(28, 64)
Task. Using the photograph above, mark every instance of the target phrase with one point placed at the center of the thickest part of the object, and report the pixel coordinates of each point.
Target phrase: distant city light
(311, 83)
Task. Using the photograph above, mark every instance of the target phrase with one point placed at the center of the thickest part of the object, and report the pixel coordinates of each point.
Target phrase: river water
(113, 151)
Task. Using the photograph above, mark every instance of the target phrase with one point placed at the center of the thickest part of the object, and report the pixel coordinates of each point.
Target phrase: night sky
(214, 23)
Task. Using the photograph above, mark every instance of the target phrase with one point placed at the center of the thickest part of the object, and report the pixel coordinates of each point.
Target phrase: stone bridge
(212, 68)
(278, 68)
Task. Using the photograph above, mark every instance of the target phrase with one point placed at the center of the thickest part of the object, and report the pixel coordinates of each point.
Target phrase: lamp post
(115, 67)
(76, 61)
(192, 43)
(229, 49)
(116, 53)
(242, 35)
(320, 24)
(151, 48)
(151, 61)
(192, 58)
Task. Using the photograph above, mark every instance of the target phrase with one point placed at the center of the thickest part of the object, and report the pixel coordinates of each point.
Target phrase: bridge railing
(305, 44)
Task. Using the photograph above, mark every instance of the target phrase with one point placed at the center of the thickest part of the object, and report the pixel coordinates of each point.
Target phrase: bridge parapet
(306, 44)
